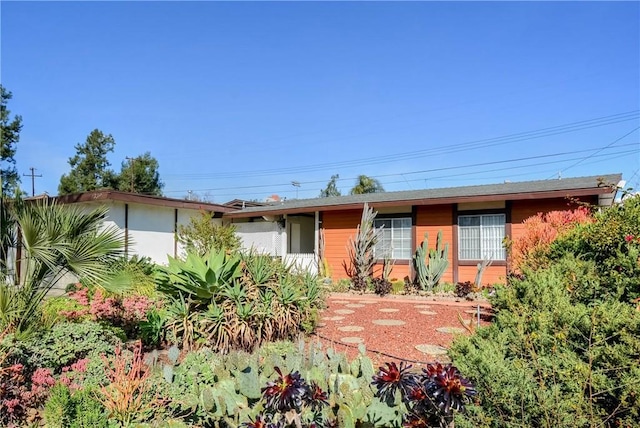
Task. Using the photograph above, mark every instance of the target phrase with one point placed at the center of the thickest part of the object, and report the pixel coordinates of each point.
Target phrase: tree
(366, 184)
(202, 234)
(89, 167)
(140, 175)
(331, 189)
(9, 137)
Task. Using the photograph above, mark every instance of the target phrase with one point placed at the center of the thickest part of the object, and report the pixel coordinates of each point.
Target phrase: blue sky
(237, 100)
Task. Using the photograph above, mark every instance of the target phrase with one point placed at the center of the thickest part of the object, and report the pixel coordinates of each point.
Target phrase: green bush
(78, 409)
(549, 359)
(64, 344)
(612, 242)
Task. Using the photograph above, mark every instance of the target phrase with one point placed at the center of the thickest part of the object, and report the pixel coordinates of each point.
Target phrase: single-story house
(474, 221)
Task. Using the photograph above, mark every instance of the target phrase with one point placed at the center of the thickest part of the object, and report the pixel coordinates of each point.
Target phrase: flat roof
(539, 189)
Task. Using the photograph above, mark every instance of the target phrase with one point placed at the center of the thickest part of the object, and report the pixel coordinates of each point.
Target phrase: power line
(439, 150)
(603, 148)
(456, 167)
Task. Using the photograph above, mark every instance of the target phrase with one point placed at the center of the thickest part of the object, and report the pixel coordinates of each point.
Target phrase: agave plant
(52, 241)
(200, 278)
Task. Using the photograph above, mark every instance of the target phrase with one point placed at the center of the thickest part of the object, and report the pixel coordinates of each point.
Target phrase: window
(395, 239)
(480, 237)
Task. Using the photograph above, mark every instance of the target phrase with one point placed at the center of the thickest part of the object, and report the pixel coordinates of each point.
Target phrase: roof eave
(566, 193)
(111, 195)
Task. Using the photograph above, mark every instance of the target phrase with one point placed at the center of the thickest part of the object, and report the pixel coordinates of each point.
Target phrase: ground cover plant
(563, 349)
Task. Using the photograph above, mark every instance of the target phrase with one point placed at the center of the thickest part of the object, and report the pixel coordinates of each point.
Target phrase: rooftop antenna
(296, 184)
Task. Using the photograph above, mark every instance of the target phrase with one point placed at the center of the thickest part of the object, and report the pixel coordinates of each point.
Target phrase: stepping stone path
(389, 310)
(428, 313)
(431, 349)
(388, 322)
(451, 330)
(336, 318)
(343, 311)
(354, 305)
(352, 339)
(351, 328)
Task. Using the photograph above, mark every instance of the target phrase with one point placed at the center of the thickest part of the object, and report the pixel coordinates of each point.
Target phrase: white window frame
(483, 238)
(382, 247)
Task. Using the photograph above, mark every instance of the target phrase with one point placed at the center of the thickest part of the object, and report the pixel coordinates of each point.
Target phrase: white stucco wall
(265, 237)
(151, 232)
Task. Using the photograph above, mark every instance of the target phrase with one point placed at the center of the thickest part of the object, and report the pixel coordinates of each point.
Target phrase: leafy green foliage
(77, 409)
(89, 166)
(552, 359)
(431, 263)
(64, 344)
(9, 137)
(365, 184)
(236, 302)
(202, 235)
(332, 189)
(56, 240)
(140, 175)
(610, 241)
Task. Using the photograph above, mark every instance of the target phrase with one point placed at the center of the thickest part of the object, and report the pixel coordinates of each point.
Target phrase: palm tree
(50, 241)
(366, 184)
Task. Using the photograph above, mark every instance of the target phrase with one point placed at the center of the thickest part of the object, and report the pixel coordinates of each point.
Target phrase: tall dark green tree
(331, 189)
(9, 137)
(90, 166)
(366, 184)
(140, 175)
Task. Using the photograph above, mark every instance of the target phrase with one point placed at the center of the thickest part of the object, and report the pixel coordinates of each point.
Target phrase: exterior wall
(431, 220)
(338, 227)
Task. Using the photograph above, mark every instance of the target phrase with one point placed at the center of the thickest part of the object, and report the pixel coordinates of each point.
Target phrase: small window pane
(481, 236)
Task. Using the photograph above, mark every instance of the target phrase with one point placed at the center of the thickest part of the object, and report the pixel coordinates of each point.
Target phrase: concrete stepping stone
(451, 330)
(352, 339)
(389, 310)
(422, 307)
(431, 349)
(336, 318)
(351, 328)
(343, 311)
(340, 302)
(428, 313)
(355, 305)
(389, 322)
(368, 302)
(321, 324)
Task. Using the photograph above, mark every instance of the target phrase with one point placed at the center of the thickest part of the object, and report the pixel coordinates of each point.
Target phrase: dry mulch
(394, 328)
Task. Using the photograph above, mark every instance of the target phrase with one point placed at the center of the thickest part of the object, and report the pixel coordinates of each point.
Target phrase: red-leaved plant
(21, 395)
(539, 231)
(127, 397)
(126, 312)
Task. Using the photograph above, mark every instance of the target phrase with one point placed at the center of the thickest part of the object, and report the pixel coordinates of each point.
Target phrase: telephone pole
(131, 161)
(33, 180)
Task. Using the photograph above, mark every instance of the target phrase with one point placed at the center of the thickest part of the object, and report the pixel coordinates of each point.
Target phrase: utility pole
(131, 161)
(33, 180)
(296, 184)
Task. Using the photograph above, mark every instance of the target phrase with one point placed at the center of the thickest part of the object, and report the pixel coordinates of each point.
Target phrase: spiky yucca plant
(360, 250)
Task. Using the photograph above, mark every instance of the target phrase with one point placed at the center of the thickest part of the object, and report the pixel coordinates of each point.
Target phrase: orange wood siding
(492, 275)
(338, 227)
(431, 220)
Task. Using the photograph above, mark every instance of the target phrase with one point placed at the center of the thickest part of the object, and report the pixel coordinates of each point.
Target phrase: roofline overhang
(103, 196)
(566, 193)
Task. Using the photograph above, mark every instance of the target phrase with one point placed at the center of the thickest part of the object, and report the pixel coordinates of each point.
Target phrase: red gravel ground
(394, 342)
